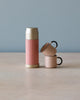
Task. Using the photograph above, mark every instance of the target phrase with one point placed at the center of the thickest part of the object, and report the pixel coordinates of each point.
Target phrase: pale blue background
(56, 19)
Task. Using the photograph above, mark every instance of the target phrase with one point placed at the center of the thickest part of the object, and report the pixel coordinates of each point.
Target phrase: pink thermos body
(32, 48)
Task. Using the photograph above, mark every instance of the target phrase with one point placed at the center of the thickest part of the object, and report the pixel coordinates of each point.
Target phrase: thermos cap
(32, 33)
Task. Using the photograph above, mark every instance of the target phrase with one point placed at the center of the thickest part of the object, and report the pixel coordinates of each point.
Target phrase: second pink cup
(51, 61)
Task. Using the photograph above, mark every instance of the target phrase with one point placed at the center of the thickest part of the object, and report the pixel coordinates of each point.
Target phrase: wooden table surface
(19, 83)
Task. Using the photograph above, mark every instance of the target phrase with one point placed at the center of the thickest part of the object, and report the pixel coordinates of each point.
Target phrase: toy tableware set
(32, 50)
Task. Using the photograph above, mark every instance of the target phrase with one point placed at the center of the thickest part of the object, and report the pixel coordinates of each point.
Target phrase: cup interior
(51, 56)
(44, 47)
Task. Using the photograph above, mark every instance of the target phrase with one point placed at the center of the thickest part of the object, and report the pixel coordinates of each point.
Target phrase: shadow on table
(64, 66)
(69, 66)
(41, 66)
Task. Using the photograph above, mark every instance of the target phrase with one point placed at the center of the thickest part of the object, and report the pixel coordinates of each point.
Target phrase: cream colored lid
(31, 33)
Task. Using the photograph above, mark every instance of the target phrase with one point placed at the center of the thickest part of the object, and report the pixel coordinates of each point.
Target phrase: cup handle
(60, 61)
(55, 43)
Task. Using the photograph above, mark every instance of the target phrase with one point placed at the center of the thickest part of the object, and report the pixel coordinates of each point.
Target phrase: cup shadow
(41, 66)
(63, 66)
(69, 66)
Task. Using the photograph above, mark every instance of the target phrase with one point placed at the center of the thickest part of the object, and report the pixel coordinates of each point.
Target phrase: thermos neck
(32, 33)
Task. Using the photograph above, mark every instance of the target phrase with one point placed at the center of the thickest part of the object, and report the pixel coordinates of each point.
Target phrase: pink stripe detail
(32, 52)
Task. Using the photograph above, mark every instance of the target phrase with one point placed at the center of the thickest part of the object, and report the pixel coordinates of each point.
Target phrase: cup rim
(44, 47)
(51, 56)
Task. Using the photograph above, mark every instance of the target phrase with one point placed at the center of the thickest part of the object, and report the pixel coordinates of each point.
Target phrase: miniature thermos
(32, 48)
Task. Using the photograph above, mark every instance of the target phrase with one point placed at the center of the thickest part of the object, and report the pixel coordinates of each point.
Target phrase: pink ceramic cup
(51, 61)
(48, 49)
